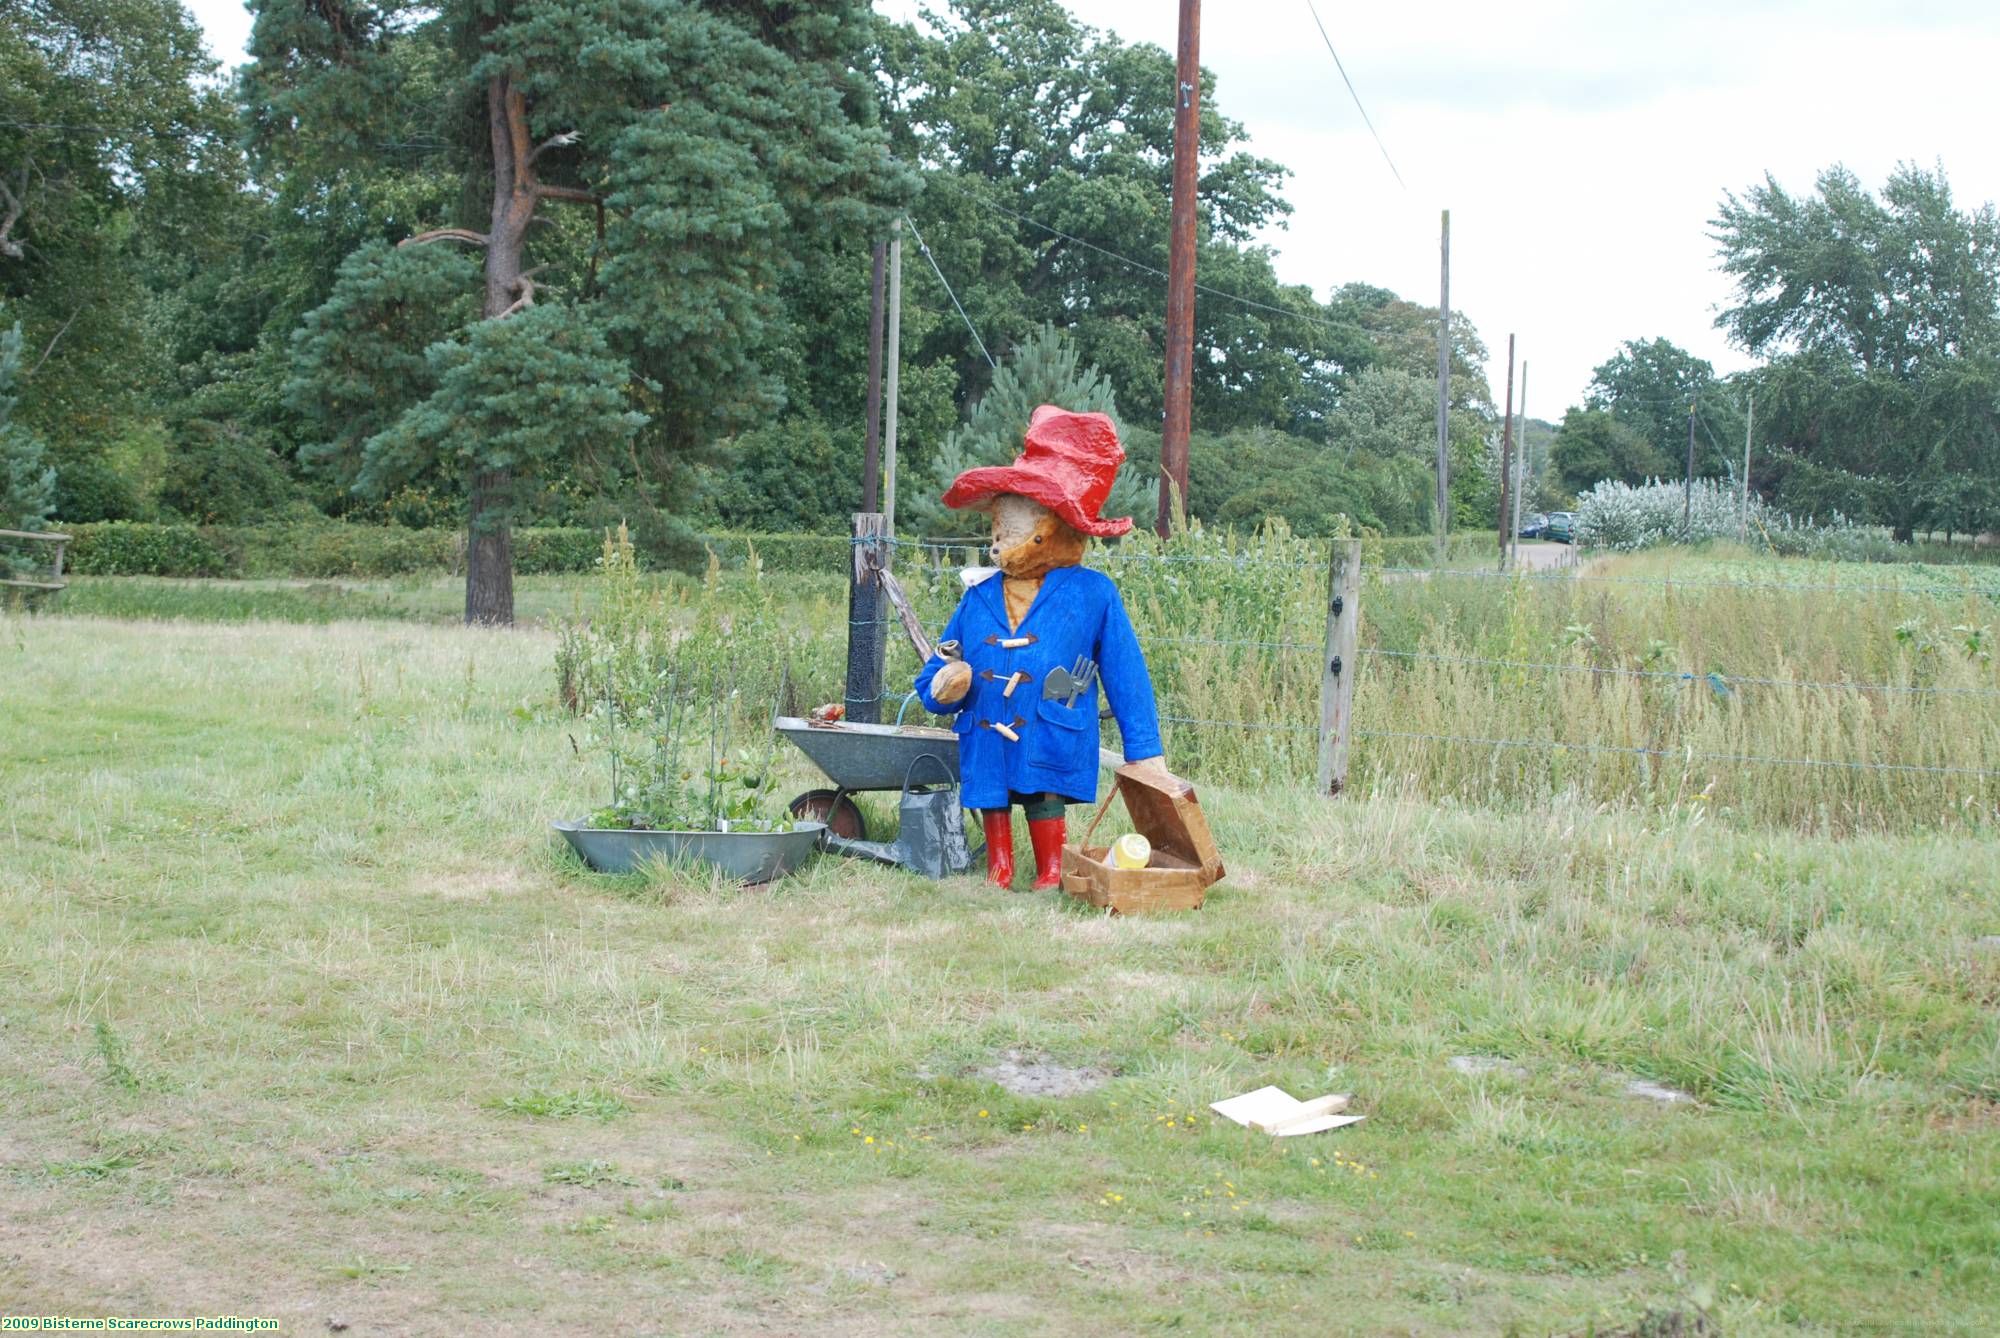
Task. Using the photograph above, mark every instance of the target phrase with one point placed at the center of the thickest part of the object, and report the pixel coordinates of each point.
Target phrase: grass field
(1826, 697)
(302, 1013)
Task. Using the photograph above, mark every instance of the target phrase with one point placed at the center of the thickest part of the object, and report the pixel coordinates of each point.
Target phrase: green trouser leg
(1037, 806)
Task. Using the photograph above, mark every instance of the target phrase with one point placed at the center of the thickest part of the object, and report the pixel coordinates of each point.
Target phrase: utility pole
(1743, 511)
(1687, 482)
(1507, 453)
(871, 451)
(1180, 269)
(1444, 384)
(892, 376)
(1520, 469)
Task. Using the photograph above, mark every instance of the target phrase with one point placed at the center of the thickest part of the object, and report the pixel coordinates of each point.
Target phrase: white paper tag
(975, 575)
(1271, 1105)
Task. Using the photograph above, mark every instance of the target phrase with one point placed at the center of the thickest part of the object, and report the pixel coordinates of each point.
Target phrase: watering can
(930, 839)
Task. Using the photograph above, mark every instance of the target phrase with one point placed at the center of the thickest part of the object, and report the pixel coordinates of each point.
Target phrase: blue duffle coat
(1077, 612)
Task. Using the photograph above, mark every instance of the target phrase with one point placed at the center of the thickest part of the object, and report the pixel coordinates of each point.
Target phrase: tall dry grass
(1826, 696)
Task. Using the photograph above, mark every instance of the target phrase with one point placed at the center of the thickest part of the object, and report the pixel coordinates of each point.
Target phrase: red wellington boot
(1047, 834)
(999, 846)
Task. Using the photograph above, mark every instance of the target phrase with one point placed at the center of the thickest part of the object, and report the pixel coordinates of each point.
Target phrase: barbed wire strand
(1716, 679)
(1745, 758)
(1823, 587)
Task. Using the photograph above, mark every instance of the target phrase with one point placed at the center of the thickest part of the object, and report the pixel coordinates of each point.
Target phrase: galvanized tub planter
(750, 857)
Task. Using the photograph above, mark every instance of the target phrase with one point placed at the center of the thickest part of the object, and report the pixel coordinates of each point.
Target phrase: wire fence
(1982, 583)
(1884, 727)
(1985, 587)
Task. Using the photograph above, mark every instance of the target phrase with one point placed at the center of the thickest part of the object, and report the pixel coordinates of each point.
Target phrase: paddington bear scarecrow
(1029, 647)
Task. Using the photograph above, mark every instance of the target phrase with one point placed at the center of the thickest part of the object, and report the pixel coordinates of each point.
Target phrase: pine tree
(1044, 368)
(652, 168)
(27, 485)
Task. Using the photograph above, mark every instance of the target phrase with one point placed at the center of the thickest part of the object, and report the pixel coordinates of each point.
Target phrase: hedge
(134, 548)
(1420, 550)
(781, 552)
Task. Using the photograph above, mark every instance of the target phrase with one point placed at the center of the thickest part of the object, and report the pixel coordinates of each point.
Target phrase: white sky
(1581, 146)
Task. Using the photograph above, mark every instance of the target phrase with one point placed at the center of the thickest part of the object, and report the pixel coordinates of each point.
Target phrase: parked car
(1561, 527)
(1534, 525)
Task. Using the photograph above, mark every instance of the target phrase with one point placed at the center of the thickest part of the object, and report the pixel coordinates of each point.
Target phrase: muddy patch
(1025, 1073)
(1651, 1091)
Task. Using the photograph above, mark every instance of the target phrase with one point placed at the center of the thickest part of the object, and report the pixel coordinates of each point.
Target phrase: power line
(183, 132)
(1356, 96)
(1137, 264)
(73, 127)
(924, 246)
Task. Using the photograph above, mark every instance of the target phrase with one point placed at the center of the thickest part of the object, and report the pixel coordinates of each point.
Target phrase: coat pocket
(1057, 741)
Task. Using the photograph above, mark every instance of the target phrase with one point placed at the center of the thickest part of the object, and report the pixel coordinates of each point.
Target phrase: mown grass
(438, 598)
(304, 1013)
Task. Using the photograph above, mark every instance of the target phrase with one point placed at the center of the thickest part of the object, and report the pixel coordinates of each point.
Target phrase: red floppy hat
(1067, 463)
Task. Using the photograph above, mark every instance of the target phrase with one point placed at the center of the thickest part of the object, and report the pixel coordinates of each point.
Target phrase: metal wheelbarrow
(860, 758)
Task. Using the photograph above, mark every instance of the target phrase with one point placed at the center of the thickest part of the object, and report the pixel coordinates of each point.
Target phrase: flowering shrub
(1622, 518)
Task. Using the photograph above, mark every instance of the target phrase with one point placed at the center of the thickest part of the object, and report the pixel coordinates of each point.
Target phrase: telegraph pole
(1521, 468)
(1444, 384)
(1180, 269)
(892, 375)
(1507, 452)
(871, 451)
(1743, 511)
(1687, 482)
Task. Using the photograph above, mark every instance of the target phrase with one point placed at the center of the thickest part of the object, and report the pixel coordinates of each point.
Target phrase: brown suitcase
(1185, 863)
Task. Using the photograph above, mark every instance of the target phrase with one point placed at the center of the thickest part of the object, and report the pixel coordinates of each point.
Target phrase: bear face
(1030, 541)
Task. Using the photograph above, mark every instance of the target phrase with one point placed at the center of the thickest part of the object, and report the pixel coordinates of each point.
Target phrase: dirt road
(1538, 556)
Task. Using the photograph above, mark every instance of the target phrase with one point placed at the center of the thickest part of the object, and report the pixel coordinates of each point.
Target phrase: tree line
(574, 261)
(1877, 317)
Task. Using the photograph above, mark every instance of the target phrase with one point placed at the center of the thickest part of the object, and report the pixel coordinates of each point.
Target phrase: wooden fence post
(866, 615)
(55, 581)
(1343, 642)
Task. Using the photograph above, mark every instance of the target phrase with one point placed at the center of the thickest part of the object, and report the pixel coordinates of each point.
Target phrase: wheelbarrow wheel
(841, 814)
